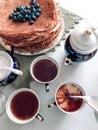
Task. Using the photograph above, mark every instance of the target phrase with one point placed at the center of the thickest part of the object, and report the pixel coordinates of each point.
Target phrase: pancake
(35, 37)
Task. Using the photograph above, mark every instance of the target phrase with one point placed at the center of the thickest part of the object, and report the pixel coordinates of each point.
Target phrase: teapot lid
(83, 39)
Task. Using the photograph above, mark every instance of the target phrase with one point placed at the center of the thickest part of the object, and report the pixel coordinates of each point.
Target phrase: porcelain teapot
(81, 45)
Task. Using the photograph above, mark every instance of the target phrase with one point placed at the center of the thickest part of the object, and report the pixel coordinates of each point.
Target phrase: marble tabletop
(85, 74)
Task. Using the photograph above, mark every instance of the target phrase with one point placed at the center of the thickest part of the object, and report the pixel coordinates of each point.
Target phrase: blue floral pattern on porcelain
(76, 56)
(12, 76)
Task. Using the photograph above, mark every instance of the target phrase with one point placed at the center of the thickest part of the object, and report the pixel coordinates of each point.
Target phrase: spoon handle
(81, 97)
(90, 100)
(93, 105)
(16, 71)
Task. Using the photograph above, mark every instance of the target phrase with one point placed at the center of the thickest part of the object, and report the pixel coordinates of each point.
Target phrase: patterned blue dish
(11, 76)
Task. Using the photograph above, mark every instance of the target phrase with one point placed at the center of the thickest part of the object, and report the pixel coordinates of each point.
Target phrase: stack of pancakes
(30, 38)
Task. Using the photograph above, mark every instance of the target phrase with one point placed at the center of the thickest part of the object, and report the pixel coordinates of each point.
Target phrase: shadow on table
(96, 116)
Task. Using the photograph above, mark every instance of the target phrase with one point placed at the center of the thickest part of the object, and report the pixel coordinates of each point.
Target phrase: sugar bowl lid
(84, 39)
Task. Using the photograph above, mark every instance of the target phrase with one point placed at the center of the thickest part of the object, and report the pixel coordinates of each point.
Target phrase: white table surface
(87, 9)
(85, 74)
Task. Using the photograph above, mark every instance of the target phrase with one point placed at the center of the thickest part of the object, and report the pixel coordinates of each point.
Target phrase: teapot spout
(68, 61)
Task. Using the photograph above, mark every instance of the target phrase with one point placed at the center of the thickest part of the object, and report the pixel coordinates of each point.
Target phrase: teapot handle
(95, 31)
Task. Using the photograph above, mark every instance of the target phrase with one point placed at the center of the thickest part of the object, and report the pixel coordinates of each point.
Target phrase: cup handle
(39, 117)
(52, 105)
(47, 87)
(9, 49)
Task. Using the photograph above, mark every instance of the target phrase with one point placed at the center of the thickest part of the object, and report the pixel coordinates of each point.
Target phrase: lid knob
(83, 39)
(88, 32)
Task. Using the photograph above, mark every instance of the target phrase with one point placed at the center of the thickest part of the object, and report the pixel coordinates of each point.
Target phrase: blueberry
(32, 7)
(28, 7)
(11, 16)
(28, 12)
(20, 8)
(32, 13)
(23, 20)
(16, 14)
(23, 12)
(37, 14)
(33, 10)
(31, 22)
(15, 19)
(26, 16)
(15, 10)
(29, 16)
(20, 18)
(32, 1)
(33, 17)
(36, 5)
(39, 10)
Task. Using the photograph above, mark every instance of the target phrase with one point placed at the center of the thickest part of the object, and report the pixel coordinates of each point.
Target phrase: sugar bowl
(9, 66)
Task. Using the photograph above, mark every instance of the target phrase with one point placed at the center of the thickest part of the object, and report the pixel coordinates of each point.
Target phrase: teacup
(63, 98)
(7, 59)
(23, 106)
(44, 69)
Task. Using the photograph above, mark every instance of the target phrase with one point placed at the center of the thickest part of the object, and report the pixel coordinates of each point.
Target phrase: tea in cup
(23, 106)
(44, 69)
(66, 103)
